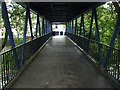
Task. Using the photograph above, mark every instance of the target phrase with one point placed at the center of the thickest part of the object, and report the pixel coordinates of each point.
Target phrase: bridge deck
(61, 65)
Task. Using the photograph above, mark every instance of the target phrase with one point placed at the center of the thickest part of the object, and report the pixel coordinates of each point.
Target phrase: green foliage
(18, 41)
(16, 16)
(87, 20)
(107, 16)
(34, 21)
(106, 22)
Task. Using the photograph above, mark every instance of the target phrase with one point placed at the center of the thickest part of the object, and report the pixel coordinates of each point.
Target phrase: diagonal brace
(9, 31)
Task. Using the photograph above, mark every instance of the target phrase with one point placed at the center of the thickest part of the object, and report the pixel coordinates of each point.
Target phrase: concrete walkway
(61, 65)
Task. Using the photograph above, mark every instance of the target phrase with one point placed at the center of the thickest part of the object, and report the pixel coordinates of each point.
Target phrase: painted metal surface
(37, 25)
(81, 23)
(24, 36)
(82, 28)
(94, 55)
(39, 28)
(76, 26)
(98, 36)
(46, 27)
(113, 40)
(9, 31)
(49, 27)
(43, 28)
(60, 64)
(72, 26)
(91, 23)
(8, 69)
(30, 23)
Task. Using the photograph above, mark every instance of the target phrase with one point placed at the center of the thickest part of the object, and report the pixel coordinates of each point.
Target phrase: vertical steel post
(98, 37)
(9, 31)
(51, 27)
(37, 25)
(77, 29)
(117, 25)
(30, 25)
(90, 31)
(72, 26)
(32, 37)
(24, 37)
(39, 28)
(69, 26)
(25, 26)
(76, 26)
(83, 26)
(43, 31)
(46, 27)
(66, 27)
(83, 31)
(81, 22)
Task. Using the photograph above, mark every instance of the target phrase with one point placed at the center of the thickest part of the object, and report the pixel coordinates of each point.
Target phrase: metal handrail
(21, 45)
(8, 66)
(98, 42)
(113, 65)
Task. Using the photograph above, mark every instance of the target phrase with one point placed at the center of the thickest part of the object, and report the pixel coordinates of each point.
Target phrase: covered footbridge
(74, 60)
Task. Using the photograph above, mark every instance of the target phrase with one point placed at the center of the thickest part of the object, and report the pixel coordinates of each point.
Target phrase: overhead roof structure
(61, 11)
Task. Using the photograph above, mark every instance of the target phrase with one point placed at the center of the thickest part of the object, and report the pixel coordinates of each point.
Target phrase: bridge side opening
(58, 29)
(97, 33)
(32, 35)
(86, 30)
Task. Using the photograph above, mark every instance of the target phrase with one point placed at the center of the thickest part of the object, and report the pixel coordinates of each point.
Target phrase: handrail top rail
(98, 42)
(21, 45)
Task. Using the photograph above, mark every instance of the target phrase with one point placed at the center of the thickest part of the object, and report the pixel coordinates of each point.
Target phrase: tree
(17, 16)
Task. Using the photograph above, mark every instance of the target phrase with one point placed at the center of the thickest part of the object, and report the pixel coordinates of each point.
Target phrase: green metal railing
(7, 62)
